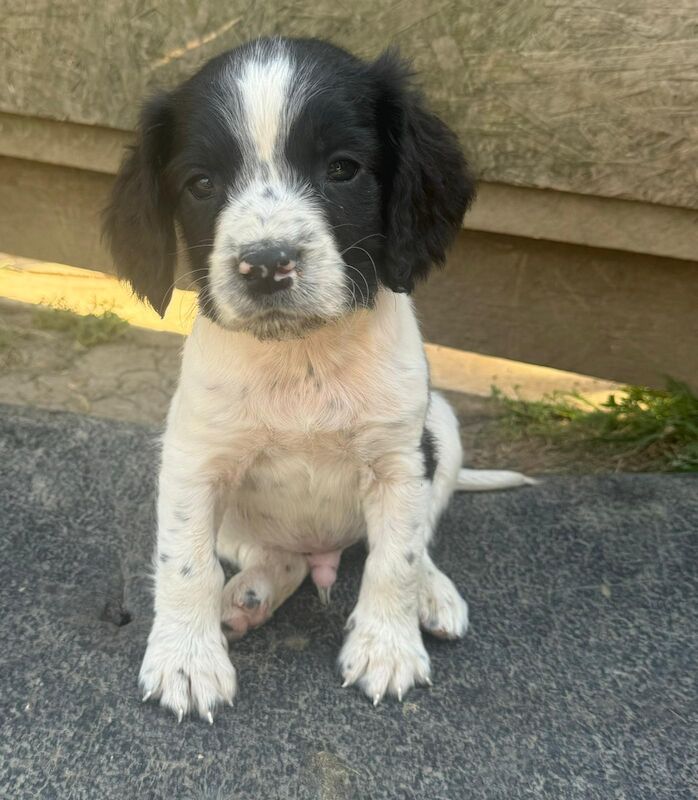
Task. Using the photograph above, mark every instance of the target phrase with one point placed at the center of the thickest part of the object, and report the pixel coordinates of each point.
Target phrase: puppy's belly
(303, 503)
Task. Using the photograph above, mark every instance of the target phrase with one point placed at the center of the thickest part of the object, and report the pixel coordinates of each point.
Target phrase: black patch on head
(139, 221)
(427, 185)
(338, 122)
(428, 447)
(404, 207)
(181, 135)
(391, 221)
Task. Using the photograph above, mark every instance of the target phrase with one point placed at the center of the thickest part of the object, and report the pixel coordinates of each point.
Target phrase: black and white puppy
(312, 190)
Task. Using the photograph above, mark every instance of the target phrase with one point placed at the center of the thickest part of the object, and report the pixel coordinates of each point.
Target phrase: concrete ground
(576, 680)
(132, 377)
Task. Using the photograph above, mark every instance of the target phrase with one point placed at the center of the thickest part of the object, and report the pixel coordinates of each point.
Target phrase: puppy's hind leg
(267, 578)
(442, 611)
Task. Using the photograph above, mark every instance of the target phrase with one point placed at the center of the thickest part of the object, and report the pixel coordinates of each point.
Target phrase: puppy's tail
(486, 480)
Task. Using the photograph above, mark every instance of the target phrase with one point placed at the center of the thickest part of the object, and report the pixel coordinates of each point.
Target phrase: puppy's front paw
(382, 657)
(187, 671)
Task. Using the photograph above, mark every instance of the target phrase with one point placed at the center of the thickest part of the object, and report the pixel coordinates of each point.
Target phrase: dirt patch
(130, 377)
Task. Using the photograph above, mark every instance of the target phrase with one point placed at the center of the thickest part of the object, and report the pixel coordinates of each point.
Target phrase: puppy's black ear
(139, 221)
(427, 186)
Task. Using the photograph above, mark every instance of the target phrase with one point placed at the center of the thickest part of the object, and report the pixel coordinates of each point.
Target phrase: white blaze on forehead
(265, 85)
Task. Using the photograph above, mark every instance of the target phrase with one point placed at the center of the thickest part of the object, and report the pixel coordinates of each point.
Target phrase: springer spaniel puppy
(312, 190)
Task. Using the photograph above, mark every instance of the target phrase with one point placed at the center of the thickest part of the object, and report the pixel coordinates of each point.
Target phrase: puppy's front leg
(383, 651)
(186, 662)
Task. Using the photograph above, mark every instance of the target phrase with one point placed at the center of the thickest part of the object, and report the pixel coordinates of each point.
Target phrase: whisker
(370, 258)
(190, 273)
(188, 248)
(368, 291)
(353, 294)
(358, 241)
(325, 197)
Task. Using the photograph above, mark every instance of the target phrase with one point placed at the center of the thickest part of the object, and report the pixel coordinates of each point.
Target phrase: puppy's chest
(285, 426)
(305, 408)
(308, 474)
(301, 488)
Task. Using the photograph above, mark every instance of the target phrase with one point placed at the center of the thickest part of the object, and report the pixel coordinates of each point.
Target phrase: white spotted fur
(276, 447)
(296, 446)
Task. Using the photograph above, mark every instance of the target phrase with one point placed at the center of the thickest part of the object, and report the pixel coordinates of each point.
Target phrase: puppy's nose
(268, 268)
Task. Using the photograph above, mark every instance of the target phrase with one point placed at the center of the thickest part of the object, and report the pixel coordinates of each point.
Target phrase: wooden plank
(626, 317)
(598, 99)
(66, 144)
(585, 220)
(52, 213)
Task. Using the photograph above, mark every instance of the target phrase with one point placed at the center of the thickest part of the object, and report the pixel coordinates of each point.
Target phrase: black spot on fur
(164, 558)
(429, 454)
(410, 557)
(251, 599)
(185, 571)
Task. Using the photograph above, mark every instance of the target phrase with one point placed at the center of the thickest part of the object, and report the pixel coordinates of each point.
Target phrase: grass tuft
(641, 429)
(88, 329)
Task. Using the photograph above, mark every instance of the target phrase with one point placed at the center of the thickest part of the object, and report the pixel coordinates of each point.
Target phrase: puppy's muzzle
(268, 268)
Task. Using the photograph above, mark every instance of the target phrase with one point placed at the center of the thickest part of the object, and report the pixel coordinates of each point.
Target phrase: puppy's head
(301, 180)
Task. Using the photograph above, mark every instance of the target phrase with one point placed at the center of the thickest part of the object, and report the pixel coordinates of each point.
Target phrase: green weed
(641, 428)
(88, 329)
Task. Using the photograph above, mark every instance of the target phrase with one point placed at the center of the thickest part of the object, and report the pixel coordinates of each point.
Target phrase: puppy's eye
(343, 169)
(201, 187)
